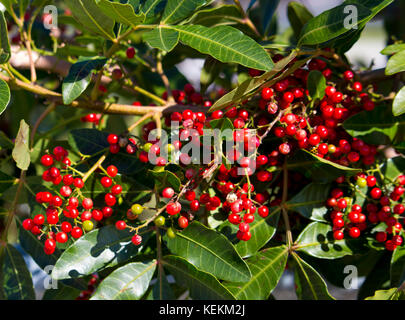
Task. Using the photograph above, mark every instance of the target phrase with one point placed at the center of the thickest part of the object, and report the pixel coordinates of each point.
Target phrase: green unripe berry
(136, 209)
(147, 147)
(160, 221)
(361, 182)
(171, 233)
(88, 225)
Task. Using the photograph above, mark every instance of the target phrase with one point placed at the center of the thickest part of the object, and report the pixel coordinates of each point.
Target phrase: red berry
(28, 224)
(168, 193)
(183, 222)
(61, 237)
(354, 232)
(130, 52)
(76, 232)
(136, 239)
(120, 225)
(47, 160)
(112, 171)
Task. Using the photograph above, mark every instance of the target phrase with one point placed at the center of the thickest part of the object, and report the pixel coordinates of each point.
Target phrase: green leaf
(262, 230)
(267, 267)
(92, 18)
(316, 84)
(129, 282)
(4, 95)
(250, 86)
(310, 201)
(398, 266)
(330, 24)
(17, 281)
(267, 10)
(122, 13)
(202, 285)
(166, 178)
(163, 39)
(376, 127)
(21, 151)
(398, 106)
(310, 285)
(374, 5)
(393, 48)
(319, 169)
(152, 10)
(298, 15)
(396, 63)
(225, 44)
(5, 51)
(96, 250)
(88, 141)
(393, 167)
(225, 14)
(209, 251)
(317, 241)
(79, 77)
(384, 294)
(63, 292)
(177, 10)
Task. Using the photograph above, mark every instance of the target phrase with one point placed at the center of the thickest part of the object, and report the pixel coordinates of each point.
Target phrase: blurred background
(365, 54)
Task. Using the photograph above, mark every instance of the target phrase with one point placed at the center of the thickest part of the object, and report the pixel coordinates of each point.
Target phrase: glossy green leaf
(396, 63)
(377, 127)
(310, 201)
(393, 167)
(316, 84)
(225, 44)
(17, 281)
(209, 251)
(79, 77)
(250, 86)
(398, 106)
(262, 230)
(4, 95)
(398, 266)
(163, 39)
(330, 24)
(63, 292)
(96, 250)
(152, 9)
(310, 285)
(121, 12)
(317, 241)
(165, 179)
(129, 282)
(21, 151)
(267, 267)
(384, 295)
(225, 14)
(298, 15)
(202, 285)
(393, 48)
(375, 6)
(267, 11)
(177, 10)
(5, 51)
(319, 169)
(92, 18)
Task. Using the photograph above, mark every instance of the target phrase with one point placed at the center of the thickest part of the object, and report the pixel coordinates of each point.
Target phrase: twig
(284, 207)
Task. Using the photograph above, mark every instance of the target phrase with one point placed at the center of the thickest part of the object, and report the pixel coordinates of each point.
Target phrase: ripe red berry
(376, 193)
(87, 203)
(106, 182)
(136, 239)
(61, 237)
(354, 232)
(76, 232)
(168, 193)
(183, 222)
(130, 52)
(112, 171)
(116, 189)
(173, 208)
(47, 160)
(120, 225)
(28, 224)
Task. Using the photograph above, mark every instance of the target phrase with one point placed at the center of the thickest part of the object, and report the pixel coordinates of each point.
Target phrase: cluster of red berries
(92, 118)
(117, 142)
(68, 203)
(381, 206)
